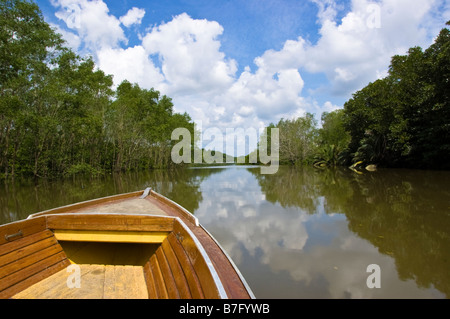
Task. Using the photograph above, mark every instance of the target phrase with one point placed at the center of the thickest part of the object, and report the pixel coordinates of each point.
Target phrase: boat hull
(178, 258)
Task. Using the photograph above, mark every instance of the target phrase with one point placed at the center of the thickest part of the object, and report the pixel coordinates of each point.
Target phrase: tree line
(402, 120)
(60, 115)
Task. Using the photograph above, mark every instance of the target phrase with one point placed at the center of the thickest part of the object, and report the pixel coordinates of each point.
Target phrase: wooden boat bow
(173, 255)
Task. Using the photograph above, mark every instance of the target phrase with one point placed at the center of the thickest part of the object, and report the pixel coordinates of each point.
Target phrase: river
(301, 233)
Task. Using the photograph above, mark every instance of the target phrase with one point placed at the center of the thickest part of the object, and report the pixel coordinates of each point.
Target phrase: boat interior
(99, 256)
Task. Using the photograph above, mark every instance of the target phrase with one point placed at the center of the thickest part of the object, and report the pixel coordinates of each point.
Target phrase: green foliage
(301, 142)
(59, 114)
(404, 119)
(83, 169)
(139, 124)
(333, 140)
(333, 131)
(328, 156)
(297, 140)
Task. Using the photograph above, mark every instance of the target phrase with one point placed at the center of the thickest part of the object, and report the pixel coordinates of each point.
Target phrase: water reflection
(312, 234)
(301, 233)
(25, 197)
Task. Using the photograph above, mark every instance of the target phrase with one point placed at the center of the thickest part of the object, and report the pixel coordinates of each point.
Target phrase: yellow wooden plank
(55, 287)
(91, 284)
(45, 288)
(97, 281)
(111, 236)
(125, 282)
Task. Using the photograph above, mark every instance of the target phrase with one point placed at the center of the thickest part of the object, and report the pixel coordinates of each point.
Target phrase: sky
(247, 63)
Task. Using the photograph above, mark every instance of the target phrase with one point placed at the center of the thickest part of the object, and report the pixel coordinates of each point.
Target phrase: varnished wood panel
(177, 252)
(167, 274)
(20, 280)
(233, 284)
(47, 287)
(25, 241)
(124, 282)
(195, 287)
(179, 276)
(17, 254)
(202, 270)
(30, 259)
(25, 227)
(109, 222)
(160, 286)
(158, 198)
(150, 281)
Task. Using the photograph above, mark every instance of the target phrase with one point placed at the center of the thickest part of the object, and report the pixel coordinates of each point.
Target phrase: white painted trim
(215, 275)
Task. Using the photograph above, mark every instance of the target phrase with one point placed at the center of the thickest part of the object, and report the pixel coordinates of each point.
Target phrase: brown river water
(300, 233)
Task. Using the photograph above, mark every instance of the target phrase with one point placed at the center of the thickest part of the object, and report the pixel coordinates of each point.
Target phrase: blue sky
(246, 63)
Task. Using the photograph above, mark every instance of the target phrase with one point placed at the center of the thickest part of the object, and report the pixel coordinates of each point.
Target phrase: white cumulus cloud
(189, 51)
(132, 64)
(357, 49)
(183, 57)
(91, 21)
(133, 16)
